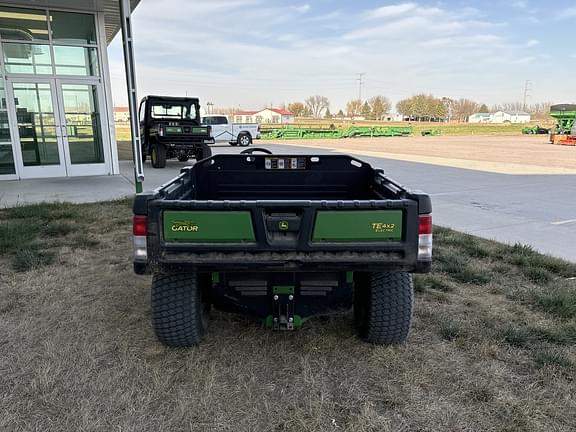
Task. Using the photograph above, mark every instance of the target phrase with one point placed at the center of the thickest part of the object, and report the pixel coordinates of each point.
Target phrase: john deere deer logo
(184, 226)
(283, 225)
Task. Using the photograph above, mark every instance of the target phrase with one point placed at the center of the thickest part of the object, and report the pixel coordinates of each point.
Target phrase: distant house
(121, 114)
(266, 115)
(480, 118)
(510, 117)
(500, 117)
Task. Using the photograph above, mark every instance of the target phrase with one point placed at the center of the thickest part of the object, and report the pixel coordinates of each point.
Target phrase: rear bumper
(287, 261)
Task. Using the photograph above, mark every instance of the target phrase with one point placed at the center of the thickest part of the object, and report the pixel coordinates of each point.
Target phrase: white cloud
(567, 13)
(532, 43)
(520, 4)
(249, 53)
(391, 11)
(302, 9)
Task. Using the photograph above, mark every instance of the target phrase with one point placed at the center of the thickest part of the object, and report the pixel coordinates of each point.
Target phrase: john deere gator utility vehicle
(282, 238)
(170, 128)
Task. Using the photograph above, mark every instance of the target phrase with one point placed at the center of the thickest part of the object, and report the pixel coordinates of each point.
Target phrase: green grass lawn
(493, 345)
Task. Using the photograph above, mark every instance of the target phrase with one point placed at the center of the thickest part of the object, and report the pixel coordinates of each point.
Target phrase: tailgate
(377, 233)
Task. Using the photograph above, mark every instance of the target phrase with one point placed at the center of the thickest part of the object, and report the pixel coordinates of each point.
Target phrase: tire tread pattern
(177, 309)
(389, 308)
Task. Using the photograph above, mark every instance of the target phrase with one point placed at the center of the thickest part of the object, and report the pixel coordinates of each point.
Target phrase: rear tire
(203, 152)
(158, 156)
(179, 316)
(244, 140)
(183, 158)
(383, 306)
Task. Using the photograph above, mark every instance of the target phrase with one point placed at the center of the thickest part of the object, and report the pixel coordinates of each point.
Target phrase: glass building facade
(55, 110)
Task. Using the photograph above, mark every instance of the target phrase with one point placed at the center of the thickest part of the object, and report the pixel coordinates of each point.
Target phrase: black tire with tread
(179, 316)
(158, 156)
(383, 305)
(203, 152)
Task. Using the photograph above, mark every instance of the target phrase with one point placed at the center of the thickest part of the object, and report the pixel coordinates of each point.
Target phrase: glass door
(37, 128)
(86, 149)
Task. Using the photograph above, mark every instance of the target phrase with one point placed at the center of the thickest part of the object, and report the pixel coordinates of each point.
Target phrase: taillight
(425, 237)
(140, 229)
(139, 225)
(425, 224)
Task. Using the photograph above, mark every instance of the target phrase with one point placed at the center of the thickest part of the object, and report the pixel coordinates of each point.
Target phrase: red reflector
(139, 226)
(425, 225)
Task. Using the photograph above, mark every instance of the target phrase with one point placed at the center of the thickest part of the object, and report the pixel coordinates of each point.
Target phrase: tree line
(421, 107)
(375, 108)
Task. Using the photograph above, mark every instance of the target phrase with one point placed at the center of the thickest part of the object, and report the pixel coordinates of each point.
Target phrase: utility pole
(360, 80)
(527, 90)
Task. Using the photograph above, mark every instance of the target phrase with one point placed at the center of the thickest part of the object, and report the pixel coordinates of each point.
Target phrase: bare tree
(317, 105)
(509, 106)
(353, 108)
(464, 108)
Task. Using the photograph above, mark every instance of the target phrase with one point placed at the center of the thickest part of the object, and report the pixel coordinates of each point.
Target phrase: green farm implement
(565, 116)
(304, 132)
(431, 132)
(535, 130)
(565, 131)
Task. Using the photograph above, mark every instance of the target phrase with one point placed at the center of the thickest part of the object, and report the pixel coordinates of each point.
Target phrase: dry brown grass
(78, 352)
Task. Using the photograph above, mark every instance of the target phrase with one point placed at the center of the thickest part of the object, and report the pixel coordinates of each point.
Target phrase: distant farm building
(267, 115)
(121, 114)
(500, 117)
(480, 118)
(510, 117)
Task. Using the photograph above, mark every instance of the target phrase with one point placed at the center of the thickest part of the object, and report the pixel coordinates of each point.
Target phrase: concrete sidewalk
(70, 189)
(84, 189)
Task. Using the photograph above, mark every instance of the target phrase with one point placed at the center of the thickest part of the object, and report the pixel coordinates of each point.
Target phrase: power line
(360, 82)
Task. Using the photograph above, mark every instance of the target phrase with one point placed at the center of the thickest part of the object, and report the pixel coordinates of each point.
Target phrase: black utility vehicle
(170, 128)
(282, 238)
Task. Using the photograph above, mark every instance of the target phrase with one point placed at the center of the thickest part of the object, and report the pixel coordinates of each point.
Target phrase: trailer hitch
(283, 308)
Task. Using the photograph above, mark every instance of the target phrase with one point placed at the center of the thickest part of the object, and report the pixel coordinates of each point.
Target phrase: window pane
(6, 157)
(83, 123)
(36, 124)
(27, 58)
(23, 24)
(68, 27)
(76, 61)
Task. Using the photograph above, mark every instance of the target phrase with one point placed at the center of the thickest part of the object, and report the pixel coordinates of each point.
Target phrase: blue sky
(252, 53)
